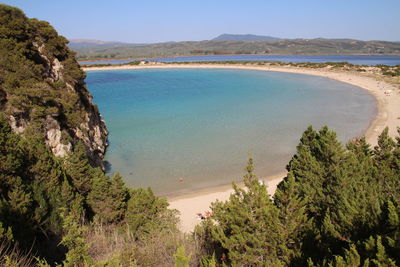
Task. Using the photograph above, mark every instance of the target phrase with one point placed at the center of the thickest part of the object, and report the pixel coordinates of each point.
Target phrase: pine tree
(11, 153)
(79, 170)
(350, 259)
(119, 196)
(108, 198)
(147, 213)
(390, 229)
(20, 199)
(208, 261)
(308, 172)
(377, 253)
(181, 259)
(396, 155)
(77, 254)
(388, 178)
(247, 226)
(6, 234)
(336, 187)
(293, 218)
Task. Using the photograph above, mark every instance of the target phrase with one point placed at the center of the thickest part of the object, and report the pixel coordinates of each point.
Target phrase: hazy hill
(243, 37)
(88, 43)
(219, 47)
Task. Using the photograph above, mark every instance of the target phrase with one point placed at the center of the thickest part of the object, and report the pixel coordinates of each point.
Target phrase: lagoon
(200, 125)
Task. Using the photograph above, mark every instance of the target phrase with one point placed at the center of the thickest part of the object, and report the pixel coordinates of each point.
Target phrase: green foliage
(147, 213)
(108, 198)
(5, 234)
(338, 206)
(386, 160)
(42, 263)
(35, 186)
(248, 226)
(181, 259)
(375, 253)
(293, 218)
(35, 90)
(73, 239)
(393, 71)
(350, 259)
(208, 261)
(78, 168)
(42, 88)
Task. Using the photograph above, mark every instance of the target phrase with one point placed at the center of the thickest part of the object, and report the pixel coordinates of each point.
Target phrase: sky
(150, 21)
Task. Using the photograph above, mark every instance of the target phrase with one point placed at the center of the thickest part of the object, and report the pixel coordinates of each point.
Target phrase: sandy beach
(388, 115)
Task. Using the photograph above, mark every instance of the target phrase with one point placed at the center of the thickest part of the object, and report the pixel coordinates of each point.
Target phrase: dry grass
(107, 242)
(11, 256)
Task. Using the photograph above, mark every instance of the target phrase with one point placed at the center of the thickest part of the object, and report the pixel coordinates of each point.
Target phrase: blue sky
(147, 21)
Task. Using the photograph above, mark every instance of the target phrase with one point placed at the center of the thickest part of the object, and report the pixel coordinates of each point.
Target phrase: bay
(180, 130)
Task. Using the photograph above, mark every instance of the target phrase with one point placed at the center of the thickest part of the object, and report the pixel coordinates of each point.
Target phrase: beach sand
(388, 115)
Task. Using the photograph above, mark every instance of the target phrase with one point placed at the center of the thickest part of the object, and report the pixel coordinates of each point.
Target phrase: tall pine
(247, 226)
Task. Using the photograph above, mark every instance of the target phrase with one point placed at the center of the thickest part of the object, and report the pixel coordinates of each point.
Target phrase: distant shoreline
(388, 115)
(261, 54)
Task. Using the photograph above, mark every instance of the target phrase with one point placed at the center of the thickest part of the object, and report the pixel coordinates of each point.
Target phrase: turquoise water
(201, 124)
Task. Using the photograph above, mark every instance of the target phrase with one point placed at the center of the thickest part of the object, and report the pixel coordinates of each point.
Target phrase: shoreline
(388, 115)
(261, 54)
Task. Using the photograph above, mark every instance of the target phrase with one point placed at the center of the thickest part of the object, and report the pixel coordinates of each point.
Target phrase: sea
(390, 60)
(182, 130)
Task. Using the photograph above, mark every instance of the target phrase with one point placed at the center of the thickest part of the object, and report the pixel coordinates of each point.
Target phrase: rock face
(42, 88)
(53, 138)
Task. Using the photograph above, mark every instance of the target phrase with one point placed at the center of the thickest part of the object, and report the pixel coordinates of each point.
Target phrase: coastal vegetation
(338, 206)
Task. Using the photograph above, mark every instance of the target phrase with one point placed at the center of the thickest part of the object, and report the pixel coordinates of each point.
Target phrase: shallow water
(201, 124)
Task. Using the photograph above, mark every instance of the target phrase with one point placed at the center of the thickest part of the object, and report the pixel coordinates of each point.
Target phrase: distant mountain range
(88, 43)
(243, 37)
(223, 37)
(231, 44)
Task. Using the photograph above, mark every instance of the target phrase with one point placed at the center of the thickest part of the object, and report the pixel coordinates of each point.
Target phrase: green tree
(385, 161)
(79, 170)
(377, 253)
(208, 261)
(181, 259)
(247, 226)
(293, 218)
(108, 198)
(147, 213)
(77, 254)
(350, 259)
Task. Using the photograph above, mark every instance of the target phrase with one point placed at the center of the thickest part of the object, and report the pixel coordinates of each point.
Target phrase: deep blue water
(354, 59)
(201, 124)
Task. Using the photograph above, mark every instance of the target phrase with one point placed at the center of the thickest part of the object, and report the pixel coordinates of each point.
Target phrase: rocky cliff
(42, 88)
